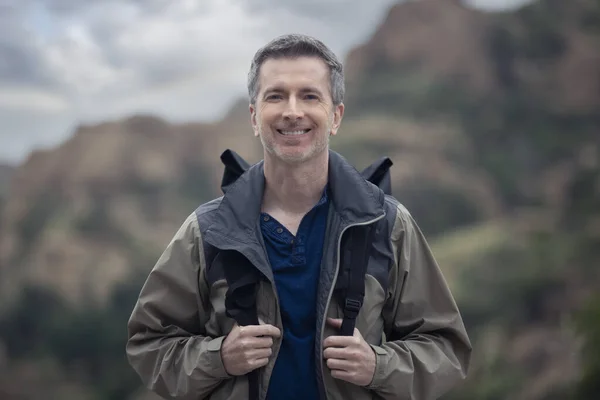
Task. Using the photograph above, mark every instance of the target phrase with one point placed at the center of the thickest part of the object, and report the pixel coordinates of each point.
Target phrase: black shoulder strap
(354, 266)
(240, 300)
(378, 174)
(242, 280)
(357, 249)
(235, 166)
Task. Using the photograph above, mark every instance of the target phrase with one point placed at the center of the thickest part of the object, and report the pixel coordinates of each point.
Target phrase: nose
(292, 110)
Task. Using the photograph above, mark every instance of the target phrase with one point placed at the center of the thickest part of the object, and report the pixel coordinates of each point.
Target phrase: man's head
(296, 89)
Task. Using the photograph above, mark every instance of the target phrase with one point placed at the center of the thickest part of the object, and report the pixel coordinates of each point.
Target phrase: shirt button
(279, 230)
(266, 218)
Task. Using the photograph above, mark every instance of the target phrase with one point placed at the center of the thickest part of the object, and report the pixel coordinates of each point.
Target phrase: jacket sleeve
(166, 344)
(427, 351)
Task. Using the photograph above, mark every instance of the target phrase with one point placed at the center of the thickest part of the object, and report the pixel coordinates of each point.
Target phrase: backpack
(243, 279)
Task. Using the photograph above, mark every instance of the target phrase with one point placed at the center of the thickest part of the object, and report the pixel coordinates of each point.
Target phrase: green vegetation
(588, 324)
(88, 343)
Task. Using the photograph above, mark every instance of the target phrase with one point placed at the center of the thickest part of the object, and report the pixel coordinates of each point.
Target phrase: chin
(293, 157)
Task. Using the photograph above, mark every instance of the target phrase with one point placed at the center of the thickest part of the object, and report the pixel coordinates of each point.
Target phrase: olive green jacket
(409, 316)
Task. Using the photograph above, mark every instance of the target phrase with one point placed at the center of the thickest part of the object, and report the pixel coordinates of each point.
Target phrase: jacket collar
(355, 200)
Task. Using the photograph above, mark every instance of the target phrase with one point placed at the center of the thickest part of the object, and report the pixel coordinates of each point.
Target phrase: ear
(253, 119)
(338, 114)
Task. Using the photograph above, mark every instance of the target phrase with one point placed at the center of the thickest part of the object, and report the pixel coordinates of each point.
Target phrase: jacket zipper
(273, 358)
(335, 276)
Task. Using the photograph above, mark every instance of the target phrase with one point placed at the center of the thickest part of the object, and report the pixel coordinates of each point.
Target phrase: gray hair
(292, 46)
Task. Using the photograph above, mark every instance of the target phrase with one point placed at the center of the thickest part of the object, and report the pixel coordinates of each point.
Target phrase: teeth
(294, 132)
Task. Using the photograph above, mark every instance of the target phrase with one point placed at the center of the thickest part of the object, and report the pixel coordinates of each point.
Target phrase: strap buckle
(352, 307)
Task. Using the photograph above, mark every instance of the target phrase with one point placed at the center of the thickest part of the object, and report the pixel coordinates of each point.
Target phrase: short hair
(297, 45)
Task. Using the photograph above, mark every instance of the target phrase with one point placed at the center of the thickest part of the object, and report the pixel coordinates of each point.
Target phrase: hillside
(6, 173)
(491, 121)
(118, 189)
(513, 85)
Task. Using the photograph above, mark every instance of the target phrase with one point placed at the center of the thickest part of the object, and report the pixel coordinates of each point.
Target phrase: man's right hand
(247, 348)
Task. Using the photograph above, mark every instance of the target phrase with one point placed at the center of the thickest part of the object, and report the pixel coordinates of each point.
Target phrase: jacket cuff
(215, 360)
(381, 358)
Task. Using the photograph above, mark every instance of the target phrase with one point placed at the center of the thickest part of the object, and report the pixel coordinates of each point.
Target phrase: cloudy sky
(63, 62)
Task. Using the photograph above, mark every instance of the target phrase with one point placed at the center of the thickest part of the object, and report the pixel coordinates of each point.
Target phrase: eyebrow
(279, 89)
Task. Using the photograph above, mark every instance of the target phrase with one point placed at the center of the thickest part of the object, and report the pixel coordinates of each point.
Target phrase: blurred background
(113, 116)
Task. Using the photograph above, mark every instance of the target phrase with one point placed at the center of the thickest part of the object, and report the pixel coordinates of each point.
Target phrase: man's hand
(350, 358)
(247, 348)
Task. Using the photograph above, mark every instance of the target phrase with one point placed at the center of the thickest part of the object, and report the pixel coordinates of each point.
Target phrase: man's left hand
(350, 358)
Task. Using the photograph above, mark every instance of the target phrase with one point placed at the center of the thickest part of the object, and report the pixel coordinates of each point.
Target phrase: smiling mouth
(293, 133)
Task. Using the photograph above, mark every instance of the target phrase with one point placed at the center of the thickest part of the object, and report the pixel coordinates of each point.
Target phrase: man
(289, 219)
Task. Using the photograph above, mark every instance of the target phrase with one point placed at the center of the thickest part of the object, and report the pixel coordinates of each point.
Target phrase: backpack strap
(354, 266)
(235, 166)
(357, 249)
(240, 300)
(242, 281)
(378, 174)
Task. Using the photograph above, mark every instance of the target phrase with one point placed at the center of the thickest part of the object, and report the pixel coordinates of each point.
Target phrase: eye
(311, 97)
(273, 97)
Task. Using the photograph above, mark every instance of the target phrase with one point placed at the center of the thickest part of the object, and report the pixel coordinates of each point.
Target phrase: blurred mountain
(80, 217)
(492, 122)
(6, 172)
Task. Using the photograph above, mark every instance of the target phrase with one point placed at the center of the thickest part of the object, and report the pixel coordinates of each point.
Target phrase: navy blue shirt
(296, 264)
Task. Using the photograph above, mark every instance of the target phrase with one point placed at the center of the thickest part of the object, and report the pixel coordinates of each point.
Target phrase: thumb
(335, 322)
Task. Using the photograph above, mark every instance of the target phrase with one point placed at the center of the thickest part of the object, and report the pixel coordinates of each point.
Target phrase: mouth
(293, 133)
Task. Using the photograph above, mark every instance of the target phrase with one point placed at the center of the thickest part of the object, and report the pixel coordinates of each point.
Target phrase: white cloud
(497, 5)
(80, 65)
(32, 99)
(183, 60)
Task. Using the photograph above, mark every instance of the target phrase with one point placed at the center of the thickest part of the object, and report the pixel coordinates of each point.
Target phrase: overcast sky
(63, 62)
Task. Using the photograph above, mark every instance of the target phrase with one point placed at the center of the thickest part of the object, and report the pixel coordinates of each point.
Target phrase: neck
(294, 188)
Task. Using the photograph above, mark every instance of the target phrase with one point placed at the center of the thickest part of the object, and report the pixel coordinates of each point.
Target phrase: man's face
(294, 113)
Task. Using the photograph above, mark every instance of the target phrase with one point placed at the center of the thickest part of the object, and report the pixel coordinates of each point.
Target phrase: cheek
(266, 116)
(325, 113)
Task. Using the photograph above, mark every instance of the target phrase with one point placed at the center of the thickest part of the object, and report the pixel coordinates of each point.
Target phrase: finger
(335, 322)
(341, 341)
(342, 375)
(260, 330)
(257, 342)
(259, 362)
(340, 365)
(256, 354)
(334, 352)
